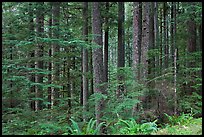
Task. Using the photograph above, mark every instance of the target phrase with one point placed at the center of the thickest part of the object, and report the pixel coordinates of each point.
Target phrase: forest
(101, 68)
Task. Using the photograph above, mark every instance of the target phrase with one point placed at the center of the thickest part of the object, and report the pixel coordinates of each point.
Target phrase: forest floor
(41, 123)
(193, 128)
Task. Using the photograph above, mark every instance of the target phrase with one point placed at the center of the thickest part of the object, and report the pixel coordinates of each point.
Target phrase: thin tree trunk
(32, 55)
(145, 42)
(165, 35)
(91, 71)
(56, 49)
(175, 94)
(161, 41)
(50, 63)
(121, 49)
(129, 49)
(151, 62)
(156, 36)
(40, 30)
(106, 44)
(85, 59)
(136, 39)
(81, 92)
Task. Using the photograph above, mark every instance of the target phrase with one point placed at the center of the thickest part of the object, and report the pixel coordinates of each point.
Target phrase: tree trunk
(175, 80)
(156, 37)
(91, 71)
(137, 31)
(40, 30)
(191, 48)
(106, 44)
(166, 52)
(56, 49)
(85, 59)
(98, 61)
(121, 49)
(136, 39)
(161, 41)
(151, 60)
(50, 63)
(145, 42)
(32, 55)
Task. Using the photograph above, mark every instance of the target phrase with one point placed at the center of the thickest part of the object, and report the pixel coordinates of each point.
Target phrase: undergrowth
(42, 123)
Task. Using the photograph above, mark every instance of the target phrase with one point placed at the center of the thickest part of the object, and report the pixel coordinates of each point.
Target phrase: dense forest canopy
(100, 67)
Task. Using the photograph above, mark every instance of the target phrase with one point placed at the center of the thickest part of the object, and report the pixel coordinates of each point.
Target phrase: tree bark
(106, 44)
(175, 82)
(145, 42)
(40, 30)
(156, 36)
(32, 55)
(85, 59)
(161, 42)
(151, 60)
(121, 49)
(166, 52)
(56, 49)
(50, 63)
(98, 61)
(136, 39)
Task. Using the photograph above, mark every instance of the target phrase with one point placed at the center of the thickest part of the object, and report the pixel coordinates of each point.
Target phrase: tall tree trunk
(175, 82)
(98, 61)
(165, 14)
(91, 71)
(151, 60)
(156, 36)
(106, 44)
(145, 42)
(129, 48)
(192, 36)
(85, 59)
(140, 40)
(32, 55)
(191, 47)
(161, 41)
(81, 92)
(136, 39)
(173, 32)
(40, 30)
(121, 48)
(56, 49)
(50, 63)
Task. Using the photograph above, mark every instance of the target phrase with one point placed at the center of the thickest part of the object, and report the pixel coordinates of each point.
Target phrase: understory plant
(90, 128)
(183, 119)
(130, 127)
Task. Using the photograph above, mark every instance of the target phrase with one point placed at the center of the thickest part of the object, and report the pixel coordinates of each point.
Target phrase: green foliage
(89, 129)
(123, 106)
(192, 128)
(183, 119)
(130, 127)
(18, 42)
(189, 104)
